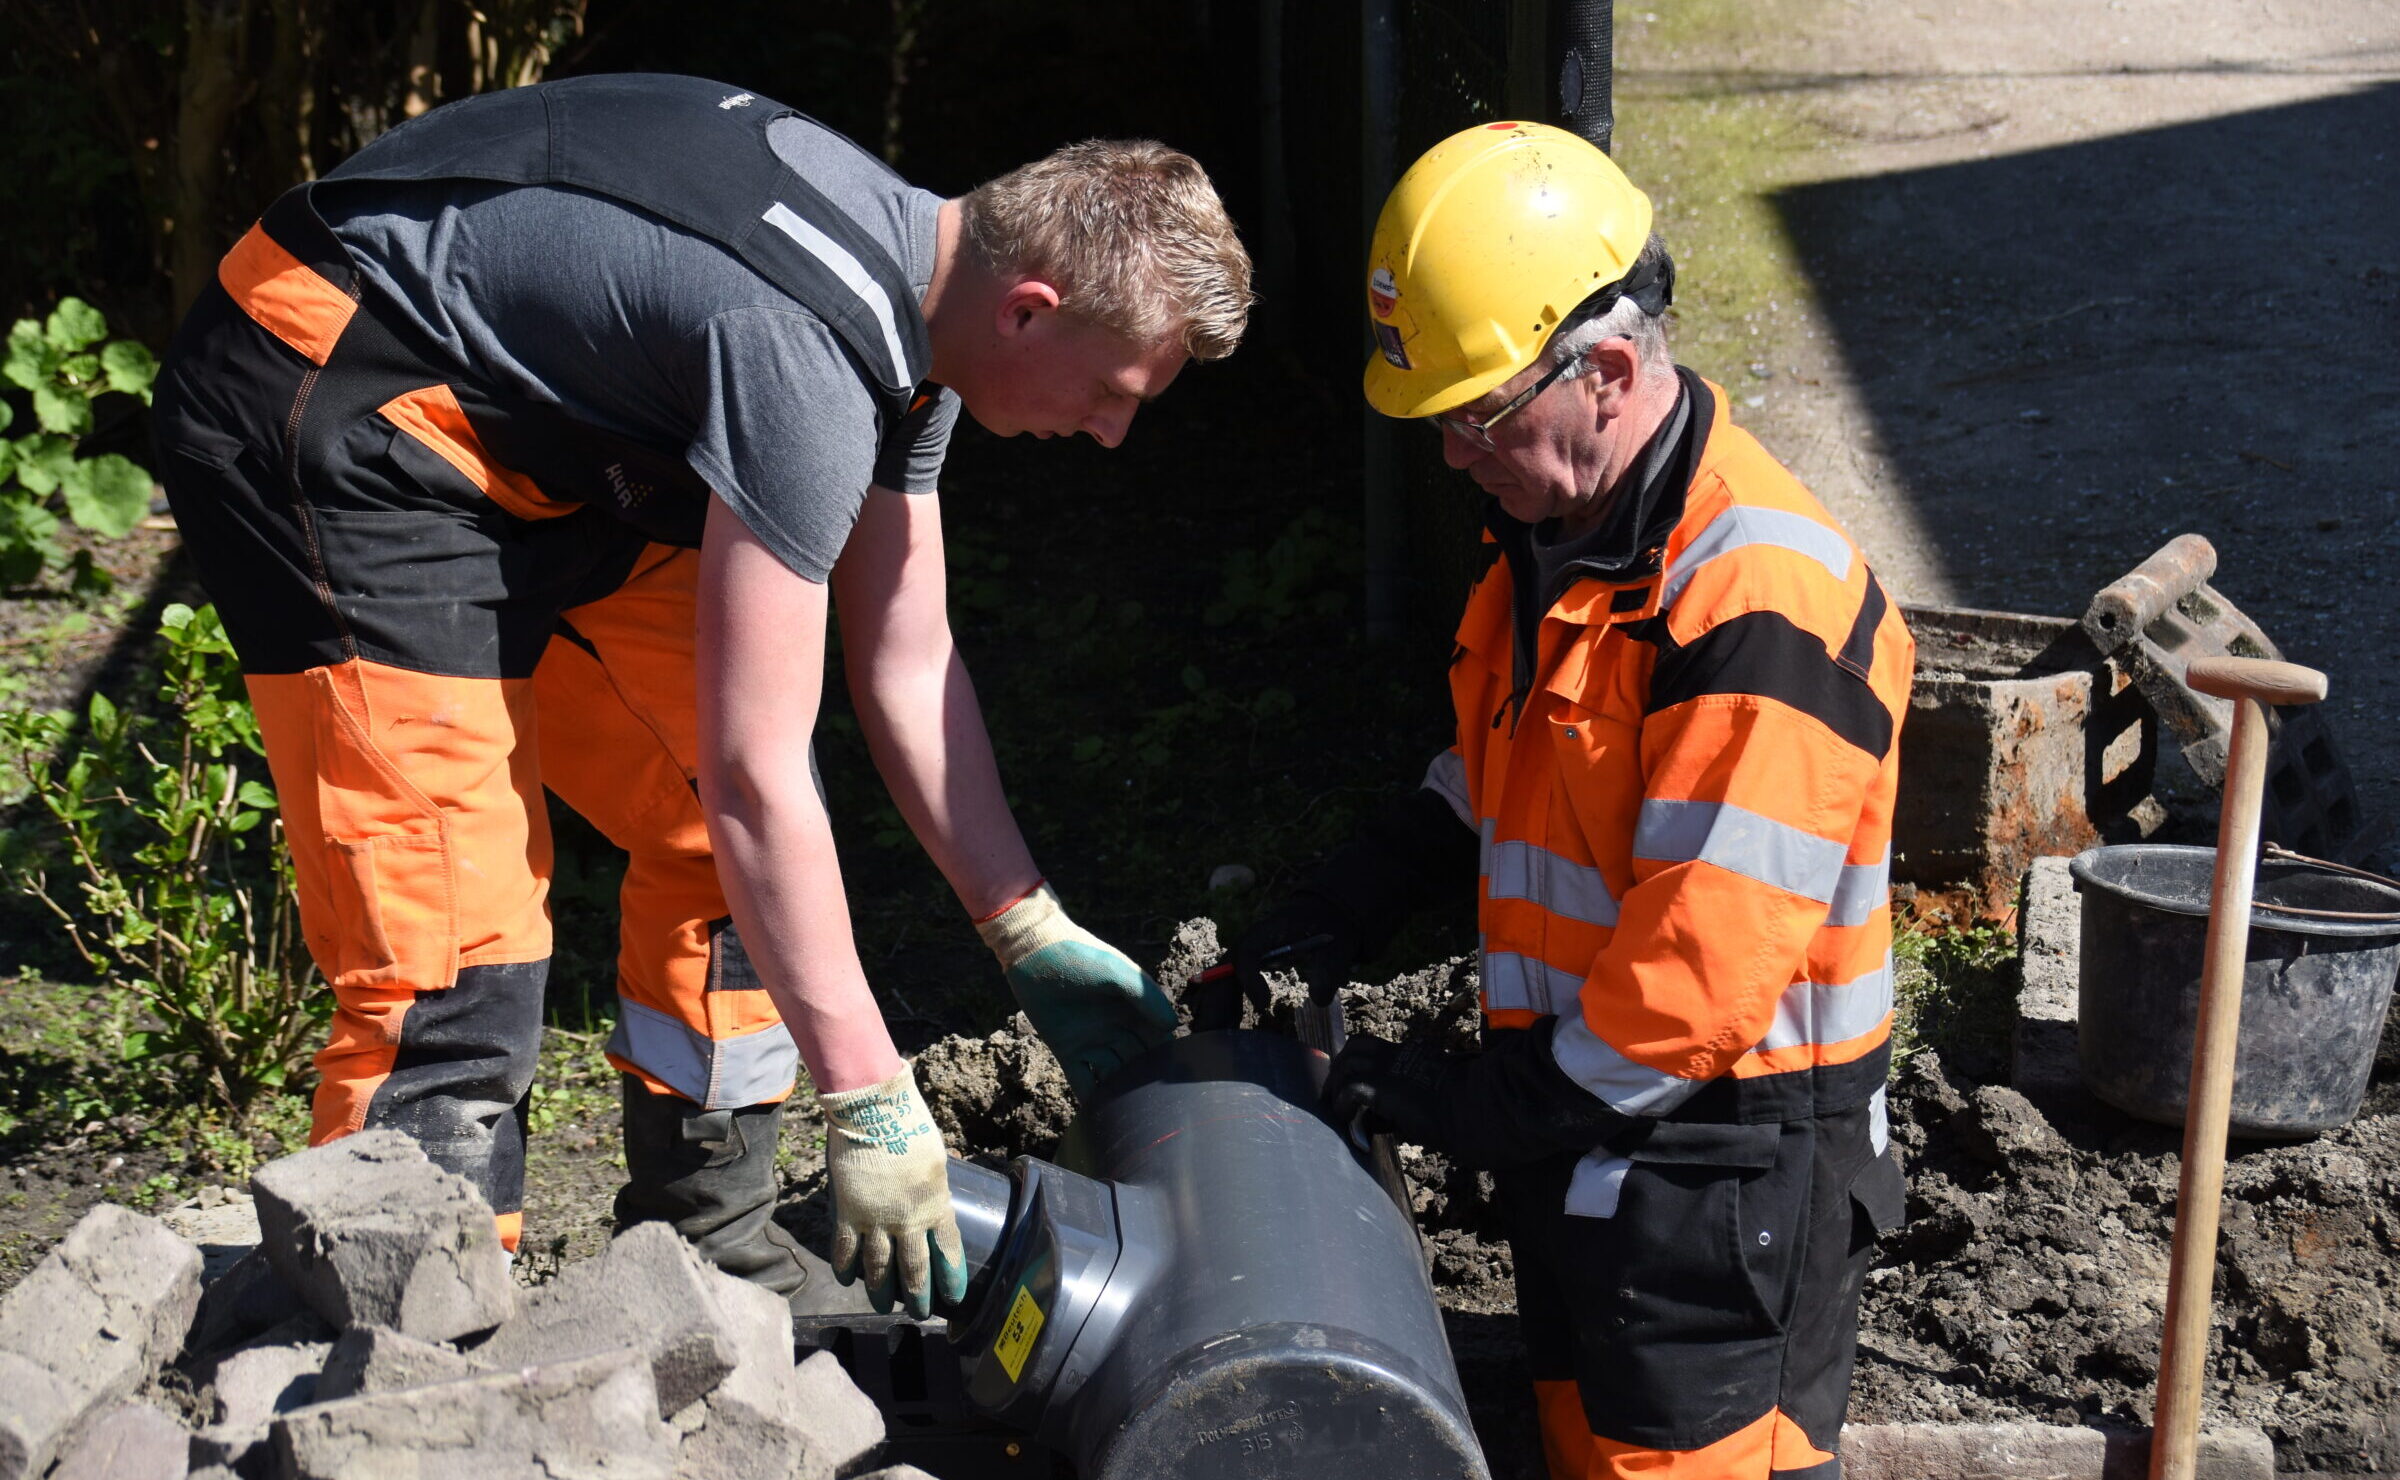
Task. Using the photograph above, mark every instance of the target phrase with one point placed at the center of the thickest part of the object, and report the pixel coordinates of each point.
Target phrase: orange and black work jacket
(1684, 780)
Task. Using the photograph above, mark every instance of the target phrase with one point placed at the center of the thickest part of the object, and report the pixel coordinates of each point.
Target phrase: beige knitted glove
(892, 1224)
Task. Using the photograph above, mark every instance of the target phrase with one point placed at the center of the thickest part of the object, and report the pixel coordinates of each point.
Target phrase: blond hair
(1132, 235)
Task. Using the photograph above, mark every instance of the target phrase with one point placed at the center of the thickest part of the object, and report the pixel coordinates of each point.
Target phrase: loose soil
(2027, 1284)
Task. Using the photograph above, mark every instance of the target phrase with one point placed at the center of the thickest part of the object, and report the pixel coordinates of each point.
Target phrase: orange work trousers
(430, 643)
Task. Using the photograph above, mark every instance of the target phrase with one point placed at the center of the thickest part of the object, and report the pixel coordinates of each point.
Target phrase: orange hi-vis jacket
(1686, 820)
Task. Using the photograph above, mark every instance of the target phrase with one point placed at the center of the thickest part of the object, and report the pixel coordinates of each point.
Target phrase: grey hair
(1587, 325)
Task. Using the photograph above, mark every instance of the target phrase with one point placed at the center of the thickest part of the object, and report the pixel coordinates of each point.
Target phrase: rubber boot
(711, 1173)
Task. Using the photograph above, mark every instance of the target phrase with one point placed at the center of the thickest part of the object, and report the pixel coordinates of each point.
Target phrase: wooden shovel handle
(2250, 683)
(2255, 678)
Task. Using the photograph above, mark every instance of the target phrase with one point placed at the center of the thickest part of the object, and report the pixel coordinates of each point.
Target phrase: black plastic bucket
(2314, 990)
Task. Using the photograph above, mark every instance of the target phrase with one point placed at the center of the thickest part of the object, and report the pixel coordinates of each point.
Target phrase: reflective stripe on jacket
(1687, 827)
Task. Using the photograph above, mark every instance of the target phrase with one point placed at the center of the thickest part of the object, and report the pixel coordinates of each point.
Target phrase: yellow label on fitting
(1015, 1341)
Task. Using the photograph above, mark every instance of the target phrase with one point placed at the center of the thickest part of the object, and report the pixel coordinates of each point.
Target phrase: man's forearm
(776, 857)
(925, 729)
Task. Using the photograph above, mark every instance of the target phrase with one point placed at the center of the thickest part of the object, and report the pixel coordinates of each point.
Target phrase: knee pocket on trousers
(391, 879)
(395, 912)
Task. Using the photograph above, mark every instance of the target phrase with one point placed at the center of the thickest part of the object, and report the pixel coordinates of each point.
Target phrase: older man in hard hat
(1678, 692)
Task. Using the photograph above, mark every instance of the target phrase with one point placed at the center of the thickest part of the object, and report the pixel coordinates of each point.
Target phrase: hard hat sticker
(1015, 1341)
(1387, 338)
(1383, 292)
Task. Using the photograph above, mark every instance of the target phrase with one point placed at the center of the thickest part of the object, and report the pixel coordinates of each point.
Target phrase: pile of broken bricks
(376, 1331)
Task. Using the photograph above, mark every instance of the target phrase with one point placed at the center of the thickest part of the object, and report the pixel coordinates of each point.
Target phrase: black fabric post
(1586, 67)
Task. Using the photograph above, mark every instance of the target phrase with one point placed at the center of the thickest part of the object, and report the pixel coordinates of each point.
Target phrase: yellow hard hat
(1489, 240)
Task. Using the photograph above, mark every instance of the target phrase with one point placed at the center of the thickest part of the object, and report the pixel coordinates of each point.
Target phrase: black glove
(1308, 934)
(1508, 1106)
(1407, 856)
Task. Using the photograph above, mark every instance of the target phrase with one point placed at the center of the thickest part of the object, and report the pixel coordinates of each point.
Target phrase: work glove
(1410, 855)
(1308, 934)
(1087, 999)
(892, 1225)
(1509, 1106)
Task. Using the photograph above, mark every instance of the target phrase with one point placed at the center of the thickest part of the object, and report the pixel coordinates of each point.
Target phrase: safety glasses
(1480, 432)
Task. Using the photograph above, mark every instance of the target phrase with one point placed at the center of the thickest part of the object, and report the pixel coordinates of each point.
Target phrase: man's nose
(1108, 425)
(1459, 452)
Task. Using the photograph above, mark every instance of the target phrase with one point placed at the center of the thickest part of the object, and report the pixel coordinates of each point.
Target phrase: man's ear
(1021, 305)
(1615, 365)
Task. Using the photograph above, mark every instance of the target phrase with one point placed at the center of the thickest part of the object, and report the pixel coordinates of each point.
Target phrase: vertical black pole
(1587, 68)
(1274, 276)
(1384, 526)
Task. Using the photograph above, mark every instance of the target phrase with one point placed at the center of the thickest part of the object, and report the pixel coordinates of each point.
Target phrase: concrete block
(37, 1410)
(2032, 1451)
(735, 1438)
(594, 1416)
(377, 1359)
(2050, 954)
(248, 1299)
(234, 1449)
(843, 1422)
(372, 1233)
(648, 1291)
(255, 1384)
(808, 1422)
(132, 1442)
(758, 1322)
(95, 1320)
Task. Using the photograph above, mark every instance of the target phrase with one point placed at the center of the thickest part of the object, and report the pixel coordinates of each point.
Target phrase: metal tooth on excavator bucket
(2153, 622)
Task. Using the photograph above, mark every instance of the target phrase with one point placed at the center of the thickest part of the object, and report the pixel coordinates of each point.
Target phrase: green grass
(1711, 151)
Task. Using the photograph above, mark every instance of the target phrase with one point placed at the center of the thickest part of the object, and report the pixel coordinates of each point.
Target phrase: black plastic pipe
(1217, 1283)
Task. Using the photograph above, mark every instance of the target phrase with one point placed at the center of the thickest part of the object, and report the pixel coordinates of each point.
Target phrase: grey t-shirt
(644, 329)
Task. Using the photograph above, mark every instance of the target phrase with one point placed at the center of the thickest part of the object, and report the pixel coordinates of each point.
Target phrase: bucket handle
(2277, 853)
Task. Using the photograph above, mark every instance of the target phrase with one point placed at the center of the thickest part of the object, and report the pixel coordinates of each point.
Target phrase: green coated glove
(1087, 999)
(892, 1224)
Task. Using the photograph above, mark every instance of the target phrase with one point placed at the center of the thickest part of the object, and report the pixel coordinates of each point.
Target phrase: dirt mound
(996, 1097)
(2030, 1280)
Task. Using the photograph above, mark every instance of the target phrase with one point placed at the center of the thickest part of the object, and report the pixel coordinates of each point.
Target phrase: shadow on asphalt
(2073, 353)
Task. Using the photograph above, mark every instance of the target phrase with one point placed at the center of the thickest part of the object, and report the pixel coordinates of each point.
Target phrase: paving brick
(2032, 1451)
(2043, 1062)
(131, 1442)
(767, 1399)
(593, 1416)
(377, 1359)
(844, 1422)
(248, 1299)
(736, 1438)
(36, 1411)
(370, 1232)
(649, 1290)
(759, 1323)
(95, 1319)
(255, 1384)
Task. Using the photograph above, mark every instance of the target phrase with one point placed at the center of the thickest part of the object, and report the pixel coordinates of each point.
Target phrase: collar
(1592, 585)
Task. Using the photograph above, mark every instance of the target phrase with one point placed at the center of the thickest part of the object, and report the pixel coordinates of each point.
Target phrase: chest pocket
(1595, 754)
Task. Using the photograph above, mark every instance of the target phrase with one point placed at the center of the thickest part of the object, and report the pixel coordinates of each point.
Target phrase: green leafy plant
(1956, 990)
(165, 865)
(1308, 570)
(64, 364)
